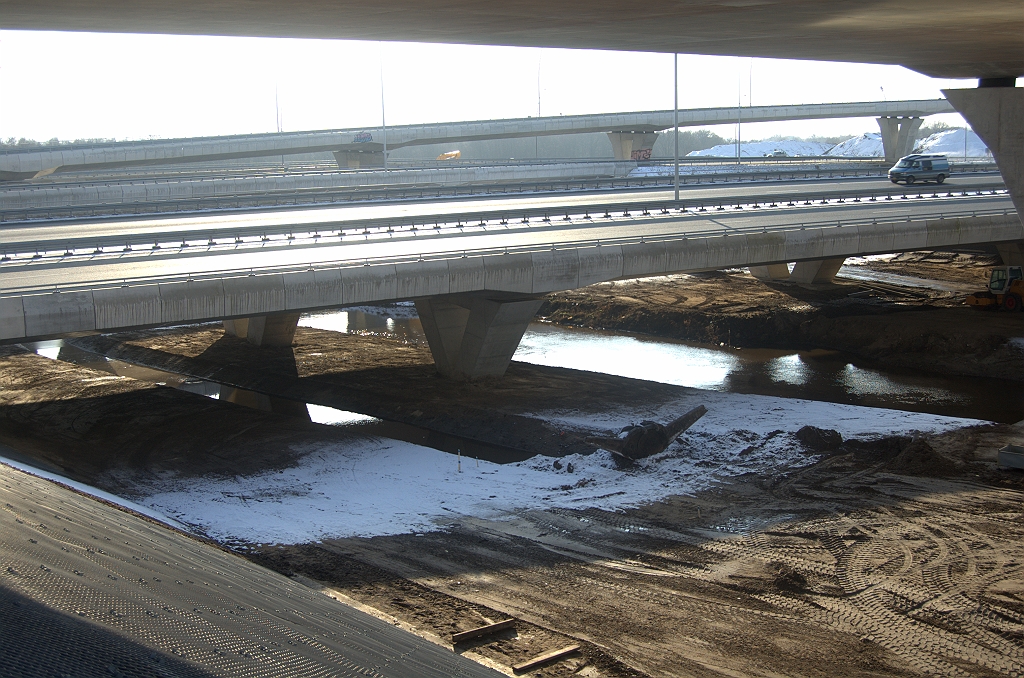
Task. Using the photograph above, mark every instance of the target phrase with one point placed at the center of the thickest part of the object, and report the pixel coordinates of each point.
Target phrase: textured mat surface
(89, 590)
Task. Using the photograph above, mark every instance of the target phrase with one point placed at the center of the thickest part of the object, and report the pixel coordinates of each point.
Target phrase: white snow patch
(867, 145)
(951, 142)
(759, 149)
(374, 487)
(1017, 343)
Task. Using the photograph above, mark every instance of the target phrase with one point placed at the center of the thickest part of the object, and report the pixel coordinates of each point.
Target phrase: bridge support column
(898, 136)
(359, 159)
(818, 272)
(995, 111)
(632, 145)
(475, 335)
(1012, 254)
(770, 272)
(264, 330)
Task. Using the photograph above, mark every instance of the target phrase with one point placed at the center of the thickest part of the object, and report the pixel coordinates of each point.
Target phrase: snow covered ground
(867, 145)
(375, 486)
(951, 142)
(760, 149)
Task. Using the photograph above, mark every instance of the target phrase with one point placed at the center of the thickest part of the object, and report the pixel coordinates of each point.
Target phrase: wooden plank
(545, 658)
(483, 630)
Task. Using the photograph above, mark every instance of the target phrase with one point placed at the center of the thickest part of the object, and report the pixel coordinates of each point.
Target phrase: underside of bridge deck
(949, 38)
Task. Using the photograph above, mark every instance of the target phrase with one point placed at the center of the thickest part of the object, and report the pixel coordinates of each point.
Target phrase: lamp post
(675, 119)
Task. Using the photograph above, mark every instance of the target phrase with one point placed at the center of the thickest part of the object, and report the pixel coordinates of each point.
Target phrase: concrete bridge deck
(368, 141)
(481, 279)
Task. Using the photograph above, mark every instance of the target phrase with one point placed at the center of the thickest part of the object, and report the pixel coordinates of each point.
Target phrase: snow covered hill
(867, 145)
(951, 142)
(760, 149)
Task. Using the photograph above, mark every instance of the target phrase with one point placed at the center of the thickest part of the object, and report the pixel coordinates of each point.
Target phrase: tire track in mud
(910, 584)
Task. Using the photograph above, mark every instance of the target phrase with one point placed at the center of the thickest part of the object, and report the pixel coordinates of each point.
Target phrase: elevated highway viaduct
(477, 270)
(632, 136)
(982, 39)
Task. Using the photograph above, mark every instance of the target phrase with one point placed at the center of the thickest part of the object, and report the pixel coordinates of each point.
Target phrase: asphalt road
(425, 211)
(171, 259)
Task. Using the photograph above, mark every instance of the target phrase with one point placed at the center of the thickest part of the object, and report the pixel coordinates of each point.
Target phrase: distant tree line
(22, 142)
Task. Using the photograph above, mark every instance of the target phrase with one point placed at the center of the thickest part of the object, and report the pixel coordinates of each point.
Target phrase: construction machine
(1005, 290)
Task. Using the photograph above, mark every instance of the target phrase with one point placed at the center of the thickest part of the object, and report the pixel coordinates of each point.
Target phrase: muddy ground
(897, 557)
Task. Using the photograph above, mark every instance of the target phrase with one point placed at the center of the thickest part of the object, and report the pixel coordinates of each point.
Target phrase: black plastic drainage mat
(89, 590)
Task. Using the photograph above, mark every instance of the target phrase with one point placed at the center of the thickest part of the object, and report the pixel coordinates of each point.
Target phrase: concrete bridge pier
(770, 272)
(1012, 253)
(368, 159)
(995, 111)
(265, 330)
(475, 335)
(898, 136)
(819, 272)
(632, 145)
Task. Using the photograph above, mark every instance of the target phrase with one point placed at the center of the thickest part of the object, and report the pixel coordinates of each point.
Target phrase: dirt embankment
(909, 328)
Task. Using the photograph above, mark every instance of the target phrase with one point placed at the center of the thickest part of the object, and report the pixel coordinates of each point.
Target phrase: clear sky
(89, 85)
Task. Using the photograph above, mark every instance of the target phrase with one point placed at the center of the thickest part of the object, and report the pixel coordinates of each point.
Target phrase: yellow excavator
(1005, 290)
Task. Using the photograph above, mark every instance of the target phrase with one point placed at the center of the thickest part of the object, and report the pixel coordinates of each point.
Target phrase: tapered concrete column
(996, 114)
(475, 335)
(817, 272)
(237, 327)
(265, 330)
(359, 159)
(632, 145)
(898, 136)
(1012, 254)
(770, 272)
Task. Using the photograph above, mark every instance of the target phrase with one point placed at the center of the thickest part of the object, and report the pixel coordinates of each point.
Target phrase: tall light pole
(383, 118)
(675, 119)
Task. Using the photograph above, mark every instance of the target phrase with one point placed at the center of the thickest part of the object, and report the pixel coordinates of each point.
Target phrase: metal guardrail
(461, 253)
(582, 213)
(312, 197)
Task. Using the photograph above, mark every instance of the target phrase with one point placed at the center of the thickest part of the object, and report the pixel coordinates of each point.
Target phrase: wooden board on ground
(545, 658)
(483, 630)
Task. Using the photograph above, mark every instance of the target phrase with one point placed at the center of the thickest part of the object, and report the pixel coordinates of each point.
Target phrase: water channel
(829, 376)
(822, 375)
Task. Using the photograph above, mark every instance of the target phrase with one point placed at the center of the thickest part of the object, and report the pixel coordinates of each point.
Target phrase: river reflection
(823, 375)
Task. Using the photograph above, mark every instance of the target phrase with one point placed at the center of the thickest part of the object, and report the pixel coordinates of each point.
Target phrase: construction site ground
(893, 557)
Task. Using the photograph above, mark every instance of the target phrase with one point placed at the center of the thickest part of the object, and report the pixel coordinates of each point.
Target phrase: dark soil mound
(920, 459)
(820, 439)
